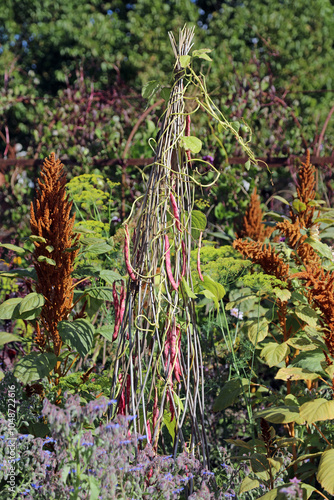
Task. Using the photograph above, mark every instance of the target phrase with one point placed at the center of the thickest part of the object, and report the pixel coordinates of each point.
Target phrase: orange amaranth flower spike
(252, 223)
(50, 219)
(264, 255)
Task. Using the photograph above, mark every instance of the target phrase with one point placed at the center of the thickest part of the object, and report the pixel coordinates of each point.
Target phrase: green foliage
(221, 264)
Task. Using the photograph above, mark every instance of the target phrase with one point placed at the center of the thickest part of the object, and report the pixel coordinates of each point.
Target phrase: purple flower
(208, 158)
(295, 480)
(236, 313)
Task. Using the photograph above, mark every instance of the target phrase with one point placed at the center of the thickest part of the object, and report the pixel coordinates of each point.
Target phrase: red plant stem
(184, 259)
(168, 265)
(199, 257)
(127, 254)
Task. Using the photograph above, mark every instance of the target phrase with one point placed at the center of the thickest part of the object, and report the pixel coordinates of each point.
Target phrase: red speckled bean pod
(155, 410)
(199, 258)
(177, 369)
(187, 129)
(171, 406)
(149, 434)
(168, 265)
(175, 211)
(120, 313)
(127, 254)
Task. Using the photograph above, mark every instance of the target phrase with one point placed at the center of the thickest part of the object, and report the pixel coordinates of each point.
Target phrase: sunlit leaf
(274, 353)
(34, 366)
(9, 309)
(6, 338)
(31, 301)
(295, 373)
(192, 143)
(110, 276)
(325, 474)
(198, 223)
(280, 414)
(43, 258)
(78, 334)
(317, 410)
(184, 61)
(14, 248)
(202, 54)
(188, 290)
(101, 293)
(319, 247)
(248, 484)
(257, 330)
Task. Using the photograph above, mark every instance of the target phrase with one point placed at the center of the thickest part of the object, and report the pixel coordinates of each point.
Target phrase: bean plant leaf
(6, 338)
(165, 93)
(274, 353)
(101, 293)
(229, 394)
(192, 143)
(9, 309)
(187, 289)
(14, 248)
(325, 474)
(78, 334)
(308, 315)
(86, 271)
(110, 276)
(98, 248)
(150, 88)
(202, 54)
(317, 410)
(184, 61)
(248, 484)
(31, 301)
(257, 330)
(295, 373)
(198, 223)
(106, 331)
(248, 165)
(34, 366)
(171, 425)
